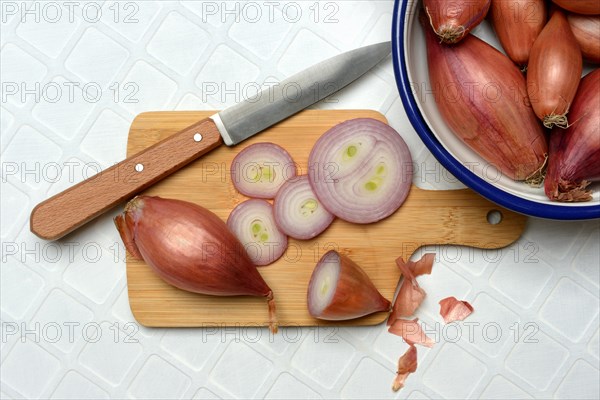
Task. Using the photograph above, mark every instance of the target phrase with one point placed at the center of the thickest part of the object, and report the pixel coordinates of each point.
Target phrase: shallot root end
(558, 120)
(451, 34)
(273, 324)
(447, 33)
(537, 177)
(569, 192)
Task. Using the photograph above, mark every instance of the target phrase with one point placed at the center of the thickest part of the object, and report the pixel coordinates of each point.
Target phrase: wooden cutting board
(427, 217)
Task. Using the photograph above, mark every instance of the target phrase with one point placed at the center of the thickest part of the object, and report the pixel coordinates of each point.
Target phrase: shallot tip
(126, 236)
(273, 324)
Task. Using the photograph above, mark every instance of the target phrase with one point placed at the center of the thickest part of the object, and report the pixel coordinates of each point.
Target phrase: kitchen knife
(68, 210)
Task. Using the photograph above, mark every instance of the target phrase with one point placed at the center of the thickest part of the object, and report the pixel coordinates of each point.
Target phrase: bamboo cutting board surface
(427, 217)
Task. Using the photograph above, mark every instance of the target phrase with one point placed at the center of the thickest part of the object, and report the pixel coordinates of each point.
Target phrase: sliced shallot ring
(361, 170)
(260, 169)
(253, 223)
(298, 212)
(452, 309)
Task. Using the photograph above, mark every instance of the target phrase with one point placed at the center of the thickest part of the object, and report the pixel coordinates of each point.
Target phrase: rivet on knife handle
(68, 210)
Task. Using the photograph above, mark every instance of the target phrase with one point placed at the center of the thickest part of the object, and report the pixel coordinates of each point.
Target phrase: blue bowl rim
(484, 188)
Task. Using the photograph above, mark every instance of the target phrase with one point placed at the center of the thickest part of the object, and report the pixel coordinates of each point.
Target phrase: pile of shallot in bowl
(506, 95)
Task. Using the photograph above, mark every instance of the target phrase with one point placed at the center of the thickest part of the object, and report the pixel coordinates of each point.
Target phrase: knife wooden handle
(68, 210)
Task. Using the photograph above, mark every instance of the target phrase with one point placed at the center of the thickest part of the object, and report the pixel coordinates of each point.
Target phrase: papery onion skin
(422, 266)
(261, 252)
(453, 310)
(499, 125)
(407, 364)
(452, 20)
(589, 7)
(411, 295)
(287, 214)
(361, 170)
(553, 72)
(191, 248)
(279, 167)
(355, 294)
(411, 332)
(517, 24)
(127, 234)
(574, 159)
(586, 29)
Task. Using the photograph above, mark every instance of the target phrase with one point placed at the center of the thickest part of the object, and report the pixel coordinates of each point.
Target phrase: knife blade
(72, 208)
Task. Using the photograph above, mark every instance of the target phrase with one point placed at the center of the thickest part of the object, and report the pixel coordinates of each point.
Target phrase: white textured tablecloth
(75, 74)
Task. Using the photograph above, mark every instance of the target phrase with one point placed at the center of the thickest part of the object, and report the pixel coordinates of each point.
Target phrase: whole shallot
(554, 70)
(517, 24)
(575, 152)
(586, 29)
(191, 248)
(589, 7)
(481, 94)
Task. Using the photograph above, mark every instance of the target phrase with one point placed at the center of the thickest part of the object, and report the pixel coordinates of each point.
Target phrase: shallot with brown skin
(586, 29)
(191, 248)
(517, 24)
(554, 70)
(574, 159)
(589, 7)
(452, 20)
(482, 96)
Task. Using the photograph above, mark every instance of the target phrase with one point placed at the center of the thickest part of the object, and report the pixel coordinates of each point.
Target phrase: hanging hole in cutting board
(494, 217)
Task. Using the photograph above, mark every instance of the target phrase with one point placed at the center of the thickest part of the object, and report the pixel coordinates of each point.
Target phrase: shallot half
(482, 96)
(575, 152)
(339, 289)
(554, 70)
(451, 20)
(191, 248)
